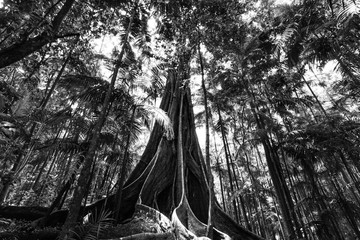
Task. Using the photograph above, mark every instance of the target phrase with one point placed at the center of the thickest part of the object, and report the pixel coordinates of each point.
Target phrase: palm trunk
(48, 173)
(80, 190)
(221, 182)
(41, 170)
(6, 185)
(346, 208)
(219, 169)
(273, 162)
(64, 189)
(124, 165)
(209, 230)
(228, 164)
(53, 155)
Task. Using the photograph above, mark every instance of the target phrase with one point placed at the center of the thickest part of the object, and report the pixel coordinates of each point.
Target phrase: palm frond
(141, 34)
(200, 117)
(40, 158)
(59, 117)
(282, 40)
(78, 65)
(319, 50)
(129, 57)
(79, 124)
(100, 221)
(348, 12)
(155, 86)
(94, 95)
(132, 127)
(220, 126)
(80, 82)
(159, 116)
(65, 145)
(112, 157)
(107, 138)
(95, 227)
(250, 46)
(121, 97)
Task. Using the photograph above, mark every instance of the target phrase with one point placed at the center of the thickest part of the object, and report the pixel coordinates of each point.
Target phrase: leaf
(98, 222)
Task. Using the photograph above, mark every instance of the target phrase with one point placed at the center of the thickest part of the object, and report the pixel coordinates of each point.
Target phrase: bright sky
(1, 3)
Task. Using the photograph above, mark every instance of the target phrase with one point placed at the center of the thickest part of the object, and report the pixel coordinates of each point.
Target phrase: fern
(98, 222)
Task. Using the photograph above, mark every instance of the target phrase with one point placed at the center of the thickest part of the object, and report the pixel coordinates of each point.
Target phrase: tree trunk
(153, 182)
(227, 163)
(124, 164)
(276, 173)
(209, 230)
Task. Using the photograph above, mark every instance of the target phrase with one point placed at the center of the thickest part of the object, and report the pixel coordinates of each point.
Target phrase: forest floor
(142, 227)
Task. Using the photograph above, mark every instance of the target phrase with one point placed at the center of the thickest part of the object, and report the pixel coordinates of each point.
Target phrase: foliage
(95, 227)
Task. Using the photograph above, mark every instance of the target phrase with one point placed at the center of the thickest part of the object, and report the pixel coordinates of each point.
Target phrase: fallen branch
(24, 213)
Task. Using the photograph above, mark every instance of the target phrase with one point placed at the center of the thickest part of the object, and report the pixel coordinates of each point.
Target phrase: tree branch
(20, 50)
(61, 15)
